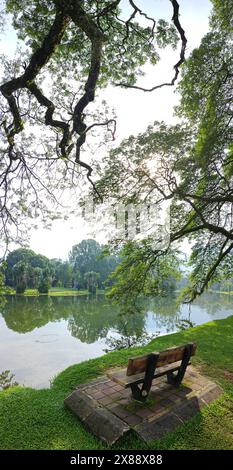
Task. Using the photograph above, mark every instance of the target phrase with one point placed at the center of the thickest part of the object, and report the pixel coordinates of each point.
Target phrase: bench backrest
(138, 364)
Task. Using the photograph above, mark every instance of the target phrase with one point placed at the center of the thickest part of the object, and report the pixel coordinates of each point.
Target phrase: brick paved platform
(108, 410)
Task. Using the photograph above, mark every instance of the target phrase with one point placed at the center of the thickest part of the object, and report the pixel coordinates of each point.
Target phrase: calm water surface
(41, 336)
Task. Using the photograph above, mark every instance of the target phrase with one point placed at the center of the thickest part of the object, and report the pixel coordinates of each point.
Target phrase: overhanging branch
(181, 32)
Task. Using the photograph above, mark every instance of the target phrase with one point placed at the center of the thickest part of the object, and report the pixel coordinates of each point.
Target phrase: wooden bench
(144, 369)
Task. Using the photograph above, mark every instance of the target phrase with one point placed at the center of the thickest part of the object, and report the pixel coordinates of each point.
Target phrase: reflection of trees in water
(97, 317)
(125, 342)
(131, 327)
(7, 380)
(130, 330)
(24, 314)
(167, 312)
(185, 323)
(91, 319)
(214, 303)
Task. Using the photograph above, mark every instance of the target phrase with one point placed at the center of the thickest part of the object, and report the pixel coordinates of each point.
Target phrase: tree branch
(175, 19)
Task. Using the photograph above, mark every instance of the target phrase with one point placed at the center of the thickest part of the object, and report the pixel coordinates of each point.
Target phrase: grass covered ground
(55, 292)
(222, 292)
(37, 419)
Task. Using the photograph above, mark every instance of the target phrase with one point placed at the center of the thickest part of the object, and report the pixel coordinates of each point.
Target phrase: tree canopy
(90, 263)
(26, 269)
(194, 159)
(68, 51)
(86, 268)
(71, 50)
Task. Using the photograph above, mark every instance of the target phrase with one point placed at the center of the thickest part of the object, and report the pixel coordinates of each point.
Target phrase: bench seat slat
(138, 364)
(120, 377)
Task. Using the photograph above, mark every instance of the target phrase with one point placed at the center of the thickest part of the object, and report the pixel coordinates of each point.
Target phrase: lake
(41, 336)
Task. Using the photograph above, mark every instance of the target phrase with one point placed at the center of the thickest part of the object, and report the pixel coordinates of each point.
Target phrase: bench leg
(138, 394)
(176, 379)
(142, 393)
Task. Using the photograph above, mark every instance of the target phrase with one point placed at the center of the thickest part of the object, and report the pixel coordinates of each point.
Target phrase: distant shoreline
(55, 292)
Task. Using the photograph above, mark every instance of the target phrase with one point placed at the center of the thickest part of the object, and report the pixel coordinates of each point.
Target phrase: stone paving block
(134, 405)
(157, 409)
(133, 420)
(117, 387)
(166, 402)
(145, 413)
(164, 394)
(126, 393)
(81, 404)
(105, 400)
(124, 401)
(115, 395)
(195, 386)
(201, 403)
(100, 380)
(106, 389)
(183, 391)
(211, 394)
(120, 411)
(105, 425)
(156, 415)
(98, 395)
(187, 409)
(193, 374)
(174, 398)
(152, 430)
(158, 395)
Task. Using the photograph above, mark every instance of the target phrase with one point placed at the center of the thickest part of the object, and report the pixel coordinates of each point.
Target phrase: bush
(43, 287)
(20, 288)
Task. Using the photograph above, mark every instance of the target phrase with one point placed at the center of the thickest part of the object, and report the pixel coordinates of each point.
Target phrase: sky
(134, 109)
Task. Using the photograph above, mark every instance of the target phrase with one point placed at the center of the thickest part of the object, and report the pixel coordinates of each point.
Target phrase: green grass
(37, 419)
(221, 292)
(63, 291)
(30, 293)
(56, 292)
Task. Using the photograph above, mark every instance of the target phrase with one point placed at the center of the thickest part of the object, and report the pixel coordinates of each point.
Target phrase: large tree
(26, 269)
(69, 49)
(194, 159)
(88, 258)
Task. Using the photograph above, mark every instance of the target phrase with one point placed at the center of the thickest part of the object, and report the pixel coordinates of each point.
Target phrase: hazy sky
(134, 109)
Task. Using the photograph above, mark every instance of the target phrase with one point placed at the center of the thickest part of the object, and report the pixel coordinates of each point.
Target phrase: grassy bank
(55, 292)
(37, 419)
(221, 292)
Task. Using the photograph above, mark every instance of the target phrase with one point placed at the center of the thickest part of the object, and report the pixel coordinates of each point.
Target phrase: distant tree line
(224, 285)
(88, 267)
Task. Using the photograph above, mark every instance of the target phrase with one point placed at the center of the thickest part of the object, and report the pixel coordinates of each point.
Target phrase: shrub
(20, 288)
(43, 287)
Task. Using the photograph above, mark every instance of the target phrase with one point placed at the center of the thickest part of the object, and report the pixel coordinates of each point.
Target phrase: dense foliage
(140, 273)
(26, 269)
(189, 164)
(86, 269)
(79, 48)
(67, 51)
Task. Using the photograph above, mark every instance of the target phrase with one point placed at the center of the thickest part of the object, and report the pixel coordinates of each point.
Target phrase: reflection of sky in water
(35, 363)
(197, 313)
(40, 337)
